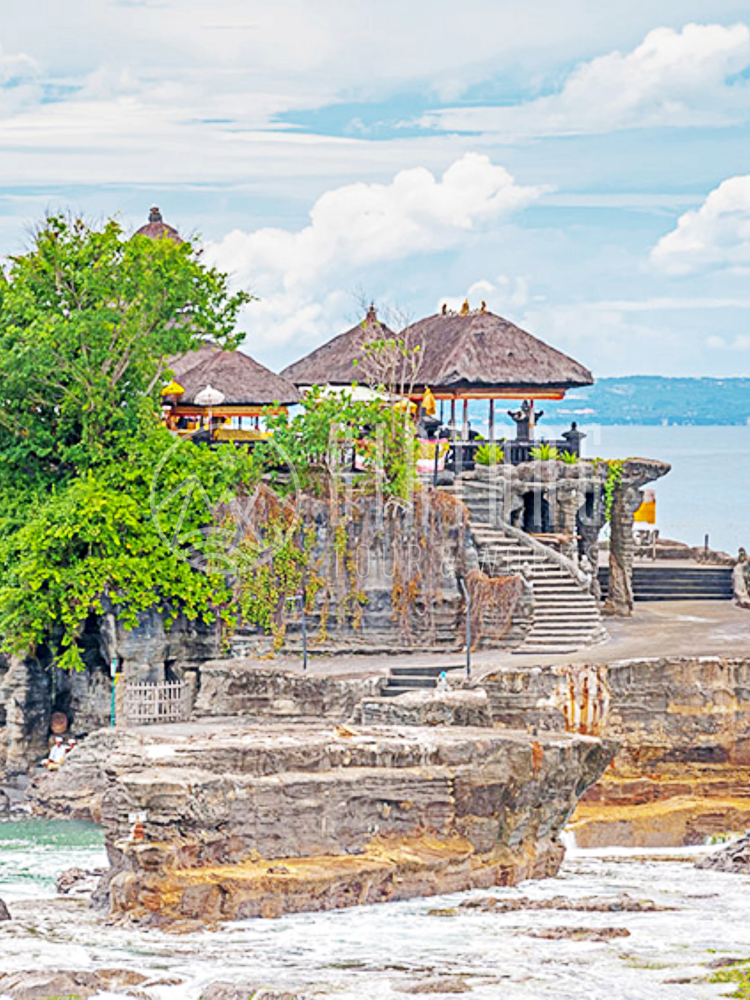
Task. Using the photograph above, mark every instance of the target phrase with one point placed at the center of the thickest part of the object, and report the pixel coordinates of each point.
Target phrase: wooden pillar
(453, 411)
(466, 420)
(492, 420)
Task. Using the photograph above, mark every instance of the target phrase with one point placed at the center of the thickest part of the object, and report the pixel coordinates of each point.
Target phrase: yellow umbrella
(405, 404)
(429, 404)
(173, 389)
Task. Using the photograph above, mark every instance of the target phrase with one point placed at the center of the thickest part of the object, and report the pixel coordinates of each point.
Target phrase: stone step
(569, 615)
(563, 634)
(683, 597)
(411, 681)
(566, 616)
(429, 671)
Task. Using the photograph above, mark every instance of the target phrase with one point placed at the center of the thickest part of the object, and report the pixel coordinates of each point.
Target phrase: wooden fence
(147, 703)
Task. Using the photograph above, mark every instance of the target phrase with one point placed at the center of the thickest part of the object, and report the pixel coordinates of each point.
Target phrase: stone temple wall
(387, 581)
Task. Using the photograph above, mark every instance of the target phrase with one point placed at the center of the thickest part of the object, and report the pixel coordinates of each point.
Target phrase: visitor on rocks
(56, 755)
(443, 683)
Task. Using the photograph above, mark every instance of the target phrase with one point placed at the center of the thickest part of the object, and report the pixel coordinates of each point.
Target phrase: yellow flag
(428, 403)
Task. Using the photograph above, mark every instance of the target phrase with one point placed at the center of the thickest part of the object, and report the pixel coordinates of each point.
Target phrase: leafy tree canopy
(319, 441)
(88, 320)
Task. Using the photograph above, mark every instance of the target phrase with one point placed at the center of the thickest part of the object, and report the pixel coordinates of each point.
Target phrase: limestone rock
(430, 708)
(579, 933)
(684, 724)
(245, 991)
(258, 820)
(589, 904)
(4, 911)
(77, 882)
(52, 985)
(448, 984)
(733, 858)
(251, 688)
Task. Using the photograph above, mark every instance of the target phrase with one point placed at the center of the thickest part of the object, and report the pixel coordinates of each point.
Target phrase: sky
(584, 168)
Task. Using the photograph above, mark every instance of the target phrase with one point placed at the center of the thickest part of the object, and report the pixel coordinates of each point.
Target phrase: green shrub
(739, 976)
(545, 453)
(489, 454)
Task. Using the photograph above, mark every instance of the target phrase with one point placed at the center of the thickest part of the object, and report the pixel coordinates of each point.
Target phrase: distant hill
(654, 399)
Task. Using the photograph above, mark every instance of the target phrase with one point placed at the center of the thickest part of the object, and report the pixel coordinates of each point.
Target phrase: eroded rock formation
(264, 819)
(683, 772)
(735, 857)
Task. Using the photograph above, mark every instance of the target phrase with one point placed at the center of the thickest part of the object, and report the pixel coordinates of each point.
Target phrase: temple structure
(224, 392)
(456, 356)
(216, 393)
(156, 228)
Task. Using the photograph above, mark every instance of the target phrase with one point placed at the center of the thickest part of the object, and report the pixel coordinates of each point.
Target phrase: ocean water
(384, 951)
(708, 488)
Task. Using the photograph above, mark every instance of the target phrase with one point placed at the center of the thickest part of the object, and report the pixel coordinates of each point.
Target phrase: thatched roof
(334, 362)
(156, 228)
(243, 381)
(477, 351)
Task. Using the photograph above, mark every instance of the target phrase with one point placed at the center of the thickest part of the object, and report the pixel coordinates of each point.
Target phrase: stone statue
(525, 420)
(739, 580)
(573, 437)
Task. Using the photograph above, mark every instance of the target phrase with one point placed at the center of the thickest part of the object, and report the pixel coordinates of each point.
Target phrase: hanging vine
(613, 480)
(494, 603)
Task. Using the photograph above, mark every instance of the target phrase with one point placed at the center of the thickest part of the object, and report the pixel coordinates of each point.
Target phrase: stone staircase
(566, 615)
(677, 583)
(403, 679)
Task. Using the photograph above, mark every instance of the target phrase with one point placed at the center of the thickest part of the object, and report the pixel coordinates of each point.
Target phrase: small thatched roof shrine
(244, 383)
(156, 228)
(471, 354)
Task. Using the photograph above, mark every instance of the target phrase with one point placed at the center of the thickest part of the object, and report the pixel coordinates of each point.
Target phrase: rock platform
(262, 819)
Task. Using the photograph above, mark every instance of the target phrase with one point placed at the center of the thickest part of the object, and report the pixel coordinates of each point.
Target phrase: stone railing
(584, 579)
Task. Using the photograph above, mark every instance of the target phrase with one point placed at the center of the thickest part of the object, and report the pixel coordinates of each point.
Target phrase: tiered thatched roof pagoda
(156, 228)
(237, 385)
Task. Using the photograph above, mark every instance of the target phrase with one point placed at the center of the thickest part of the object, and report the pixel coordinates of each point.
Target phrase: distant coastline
(653, 400)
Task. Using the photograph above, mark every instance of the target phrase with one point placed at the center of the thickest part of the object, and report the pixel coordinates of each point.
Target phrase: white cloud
(608, 340)
(715, 235)
(739, 343)
(673, 78)
(18, 81)
(302, 276)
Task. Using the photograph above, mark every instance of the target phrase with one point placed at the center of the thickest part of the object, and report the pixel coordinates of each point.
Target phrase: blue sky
(584, 168)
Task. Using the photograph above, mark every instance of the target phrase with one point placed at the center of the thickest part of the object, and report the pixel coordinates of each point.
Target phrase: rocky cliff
(260, 819)
(683, 772)
(261, 823)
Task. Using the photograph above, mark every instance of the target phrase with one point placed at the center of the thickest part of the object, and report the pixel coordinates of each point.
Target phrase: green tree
(318, 442)
(88, 321)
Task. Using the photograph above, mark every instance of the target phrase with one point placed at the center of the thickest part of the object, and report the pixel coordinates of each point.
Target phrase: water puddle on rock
(433, 946)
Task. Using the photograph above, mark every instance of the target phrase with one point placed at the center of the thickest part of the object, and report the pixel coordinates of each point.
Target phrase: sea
(396, 950)
(707, 491)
